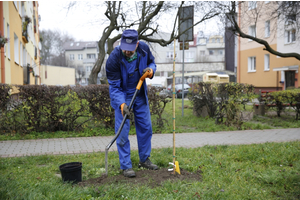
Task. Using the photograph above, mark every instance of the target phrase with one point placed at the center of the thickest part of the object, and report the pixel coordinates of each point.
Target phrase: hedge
(53, 108)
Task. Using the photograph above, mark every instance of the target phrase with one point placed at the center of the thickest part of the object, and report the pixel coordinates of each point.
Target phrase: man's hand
(150, 70)
(125, 109)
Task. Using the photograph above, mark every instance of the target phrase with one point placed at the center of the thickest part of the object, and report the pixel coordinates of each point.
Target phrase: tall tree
(52, 52)
(144, 16)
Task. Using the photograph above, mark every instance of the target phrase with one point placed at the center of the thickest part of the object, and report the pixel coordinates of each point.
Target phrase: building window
(71, 56)
(16, 4)
(8, 43)
(170, 54)
(251, 5)
(252, 31)
(267, 62)
(267, 29)
(211, 52)
(91, 56)
(251, 64)
(20, 10)
(24, 56)
(220, 52)
(21, 54)
(213, 40)
(89, 68)
(162, 74)
(202, 53)
(16, 49)
(290, 36)
(189, 56)
(80, 56)
(218, 40)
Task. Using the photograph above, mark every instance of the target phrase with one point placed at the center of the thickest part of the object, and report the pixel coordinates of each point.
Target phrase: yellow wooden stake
(177, 169)
(173, 103)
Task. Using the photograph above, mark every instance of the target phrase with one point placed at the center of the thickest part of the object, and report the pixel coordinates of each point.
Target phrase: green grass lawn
(257, 171)
(186, 123)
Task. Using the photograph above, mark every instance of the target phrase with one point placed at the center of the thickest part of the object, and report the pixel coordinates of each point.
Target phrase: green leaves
(224, 101)
(282, 99)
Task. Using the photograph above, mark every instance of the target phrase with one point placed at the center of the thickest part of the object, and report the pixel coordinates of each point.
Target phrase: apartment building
(20, 56)
(82, 56)
(256, 66)
(205, 53)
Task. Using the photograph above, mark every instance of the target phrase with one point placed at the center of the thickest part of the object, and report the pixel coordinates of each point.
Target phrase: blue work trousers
(143, 127)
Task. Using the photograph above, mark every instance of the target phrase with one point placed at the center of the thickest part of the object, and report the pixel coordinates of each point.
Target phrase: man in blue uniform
(124, 67)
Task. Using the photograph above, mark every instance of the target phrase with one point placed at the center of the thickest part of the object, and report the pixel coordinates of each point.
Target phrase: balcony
(215, 45)
(89, 60)
(25, 28)
(25, 35)
(35, 53)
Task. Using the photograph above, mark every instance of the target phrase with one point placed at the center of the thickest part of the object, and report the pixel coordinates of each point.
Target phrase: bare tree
(52, 52)
(285, 12)
(144, 16)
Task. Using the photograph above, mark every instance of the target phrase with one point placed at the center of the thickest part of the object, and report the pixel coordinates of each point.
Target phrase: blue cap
(129, 39)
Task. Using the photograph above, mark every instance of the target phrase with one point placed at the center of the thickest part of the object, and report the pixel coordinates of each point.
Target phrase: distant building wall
(191, 67)
(259, 67)
(54, 75)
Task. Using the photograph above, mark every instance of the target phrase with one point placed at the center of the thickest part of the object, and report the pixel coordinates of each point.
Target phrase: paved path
(16, 148)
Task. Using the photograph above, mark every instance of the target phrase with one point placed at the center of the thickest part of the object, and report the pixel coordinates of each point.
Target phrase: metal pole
(183, 77)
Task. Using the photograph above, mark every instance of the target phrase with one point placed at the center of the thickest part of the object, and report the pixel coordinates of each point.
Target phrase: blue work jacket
(117, 73)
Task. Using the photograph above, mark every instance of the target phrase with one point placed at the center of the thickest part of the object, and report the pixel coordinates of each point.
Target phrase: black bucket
(71, 172)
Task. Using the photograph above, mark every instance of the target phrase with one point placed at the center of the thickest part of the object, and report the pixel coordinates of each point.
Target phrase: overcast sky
(79, 22)
(54, 16)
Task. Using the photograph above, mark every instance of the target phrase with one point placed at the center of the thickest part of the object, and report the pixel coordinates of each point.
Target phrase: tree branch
(260, 41)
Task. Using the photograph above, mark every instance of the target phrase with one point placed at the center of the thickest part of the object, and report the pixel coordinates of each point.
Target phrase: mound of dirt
(145, 177)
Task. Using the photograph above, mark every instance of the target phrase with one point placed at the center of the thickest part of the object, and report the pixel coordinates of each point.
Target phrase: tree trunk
(98, 65)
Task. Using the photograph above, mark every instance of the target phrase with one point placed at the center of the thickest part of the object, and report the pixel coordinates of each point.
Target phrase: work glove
(125, 109)
(151, 72)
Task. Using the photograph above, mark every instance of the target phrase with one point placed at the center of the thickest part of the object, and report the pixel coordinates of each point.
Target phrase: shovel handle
(138, 87)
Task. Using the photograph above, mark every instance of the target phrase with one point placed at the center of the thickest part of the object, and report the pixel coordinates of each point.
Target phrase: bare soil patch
(152, 178)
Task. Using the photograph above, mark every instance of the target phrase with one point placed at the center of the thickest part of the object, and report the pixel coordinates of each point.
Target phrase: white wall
(57, 75)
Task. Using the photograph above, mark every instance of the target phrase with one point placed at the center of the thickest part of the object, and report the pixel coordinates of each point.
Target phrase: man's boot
(129, 173)
(148, 164)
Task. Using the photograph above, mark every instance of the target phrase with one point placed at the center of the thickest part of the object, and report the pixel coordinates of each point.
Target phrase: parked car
(179, 91)
(164, 92)
(170, 89)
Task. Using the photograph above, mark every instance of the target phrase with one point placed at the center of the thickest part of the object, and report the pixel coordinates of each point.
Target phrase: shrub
(281, 99)
(52, 108)
(224, 100)
(203, 96)
(157, 104)
(232, 100)
(55, 108)
(99, 102)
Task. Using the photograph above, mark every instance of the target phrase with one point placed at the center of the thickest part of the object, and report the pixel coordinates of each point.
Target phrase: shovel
(138, 87)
